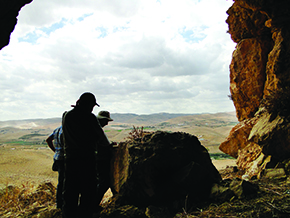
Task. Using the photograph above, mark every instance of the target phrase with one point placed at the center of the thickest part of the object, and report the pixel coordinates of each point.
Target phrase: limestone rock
(229, 189)
(277, 173)
(238, 138)
(259, 74)
(247, 76)
(221, 193)
(251, 160)
(164, 170)
(278, 64)
(246, 22)
(119, 167)
(276, 10)
(273, 135)
(243, 188)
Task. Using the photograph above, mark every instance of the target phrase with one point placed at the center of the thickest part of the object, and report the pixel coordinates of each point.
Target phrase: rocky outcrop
(161, 170)
(8, 18)
(238, 138)
(259, 84)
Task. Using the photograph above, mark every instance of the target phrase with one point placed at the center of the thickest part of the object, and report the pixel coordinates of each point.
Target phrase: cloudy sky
(141, 56)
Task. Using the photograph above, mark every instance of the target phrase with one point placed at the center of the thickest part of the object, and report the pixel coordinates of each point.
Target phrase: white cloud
(144, 56)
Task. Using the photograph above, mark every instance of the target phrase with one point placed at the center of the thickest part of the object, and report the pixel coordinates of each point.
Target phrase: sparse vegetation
(273, 200)
(220, 156)
(29, 201)
(137, 132)
(29, 136)
(20, 143)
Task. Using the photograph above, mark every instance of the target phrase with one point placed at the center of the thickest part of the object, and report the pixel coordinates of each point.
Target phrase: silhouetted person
(55, 142)
(82, 132)
(104, 159)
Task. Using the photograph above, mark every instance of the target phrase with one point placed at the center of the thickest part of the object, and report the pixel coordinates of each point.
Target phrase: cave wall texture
(259, 83)
(259, 79)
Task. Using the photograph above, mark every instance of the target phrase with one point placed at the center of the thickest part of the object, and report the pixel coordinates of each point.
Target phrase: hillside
(211, 129)
(129, 118)
(25, 156)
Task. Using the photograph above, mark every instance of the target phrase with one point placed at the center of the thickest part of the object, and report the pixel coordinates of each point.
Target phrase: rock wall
(260, 83)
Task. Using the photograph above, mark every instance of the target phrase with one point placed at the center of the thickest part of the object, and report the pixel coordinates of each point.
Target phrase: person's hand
(114, 144)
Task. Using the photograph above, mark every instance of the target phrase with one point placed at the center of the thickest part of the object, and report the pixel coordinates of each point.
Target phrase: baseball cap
(87, 98)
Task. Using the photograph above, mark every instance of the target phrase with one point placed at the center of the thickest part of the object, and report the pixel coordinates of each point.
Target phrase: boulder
(276, 173)
(165, 170)
(233, 188)
(244, 189)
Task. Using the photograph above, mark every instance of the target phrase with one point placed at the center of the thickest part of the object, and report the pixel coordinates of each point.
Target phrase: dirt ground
(21, 165)
(222, 164)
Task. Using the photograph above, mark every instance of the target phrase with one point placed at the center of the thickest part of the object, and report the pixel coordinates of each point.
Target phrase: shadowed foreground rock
(160, 172)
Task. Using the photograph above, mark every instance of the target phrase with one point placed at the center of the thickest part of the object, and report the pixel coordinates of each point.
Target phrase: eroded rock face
(247, 76)
(164, 170)
(260, 74)
(238, 138)
(273, 136)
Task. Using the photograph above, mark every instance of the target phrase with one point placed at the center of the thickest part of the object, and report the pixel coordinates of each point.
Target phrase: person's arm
(49, 142)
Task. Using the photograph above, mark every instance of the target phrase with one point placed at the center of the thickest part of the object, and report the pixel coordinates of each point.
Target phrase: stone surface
(165, 170)
(251, 159)
(244, 189)
(246, 22)
(277, 173)
(119, 167)
(247, 76)
(238, 138)
(273, 135)
(260, 75)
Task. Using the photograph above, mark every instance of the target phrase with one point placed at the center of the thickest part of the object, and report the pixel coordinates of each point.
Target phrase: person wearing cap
(82, 133)
(104, 159)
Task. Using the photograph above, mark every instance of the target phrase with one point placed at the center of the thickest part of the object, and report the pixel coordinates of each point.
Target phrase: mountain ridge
(128, 118)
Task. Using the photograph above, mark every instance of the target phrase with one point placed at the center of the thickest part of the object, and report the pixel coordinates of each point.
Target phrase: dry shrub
(137, 133)
(28, 201)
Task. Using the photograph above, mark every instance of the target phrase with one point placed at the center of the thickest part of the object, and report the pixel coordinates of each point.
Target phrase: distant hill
(30, 123)
(135, 119)
(144, 119)
(211, 129)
